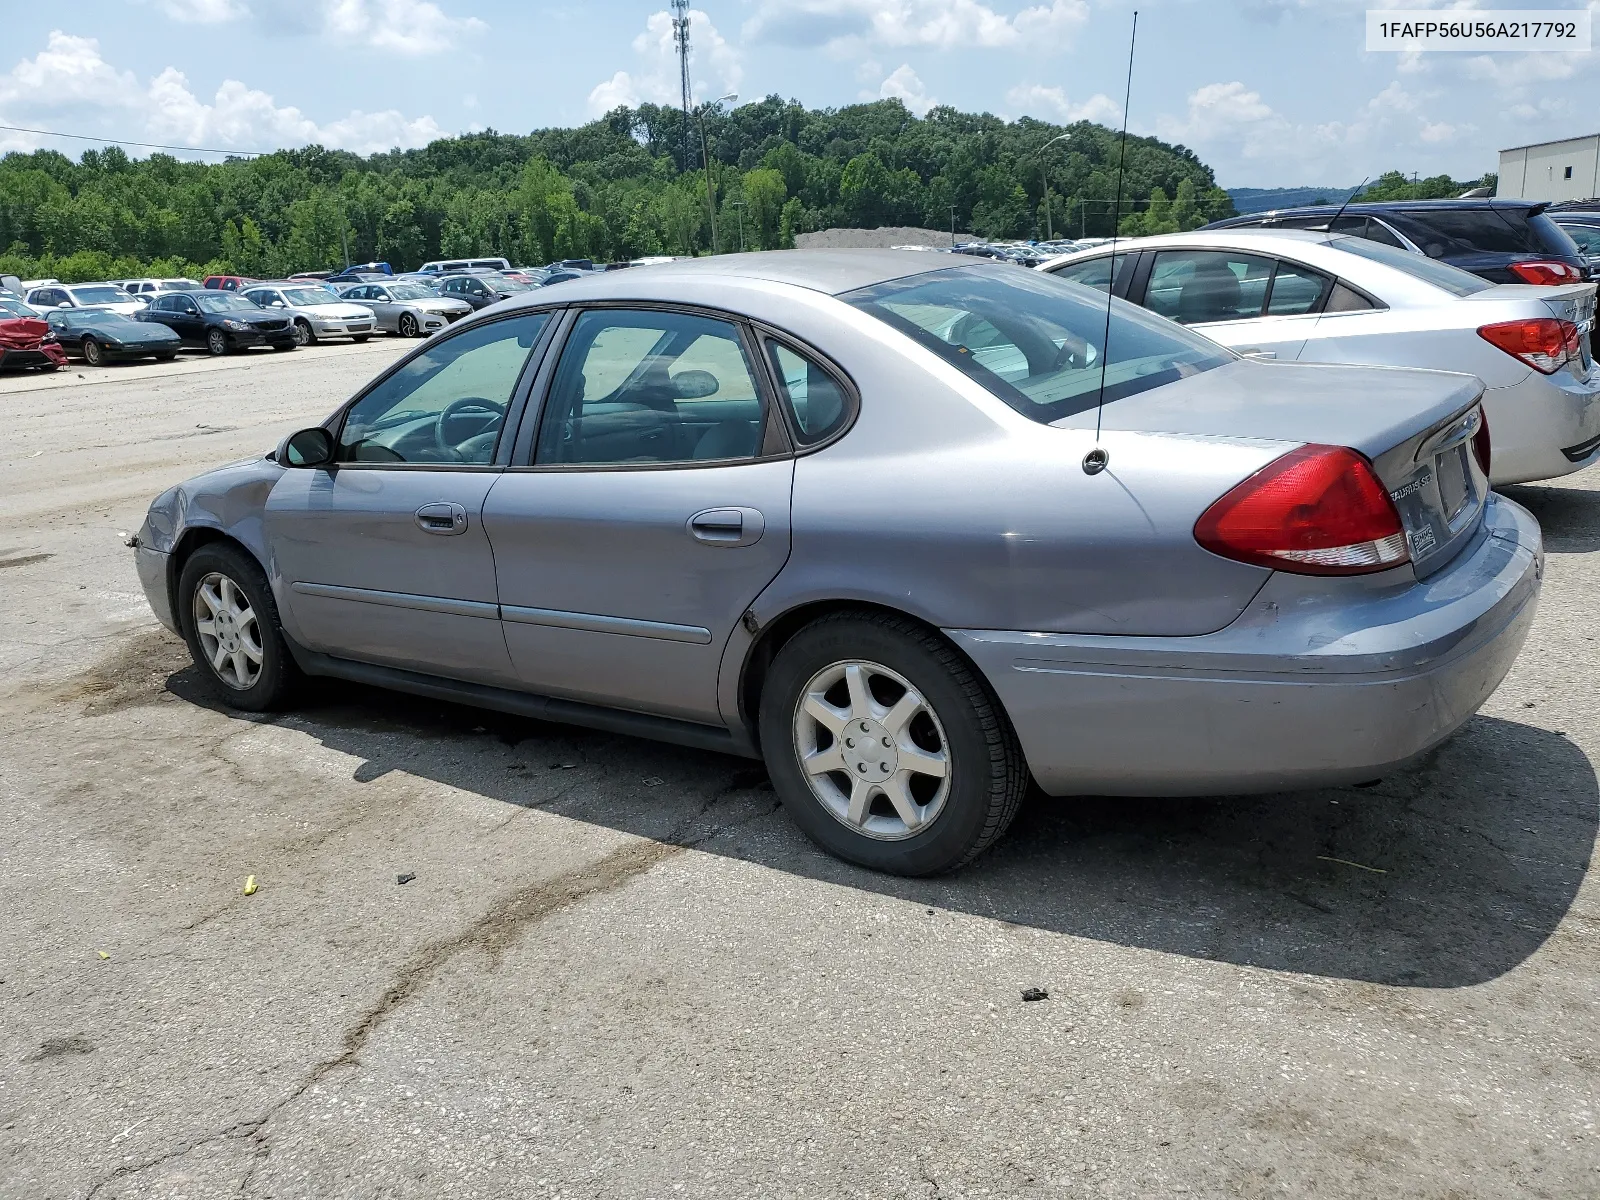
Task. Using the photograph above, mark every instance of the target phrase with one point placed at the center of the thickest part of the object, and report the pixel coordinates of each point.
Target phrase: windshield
(180, 285)
(409, 291)
(309, 295)
(1442, 275)
(71, 316)
(503, 283)
(1036, 341)
(217, 302)
(100, 295)
(16, 308)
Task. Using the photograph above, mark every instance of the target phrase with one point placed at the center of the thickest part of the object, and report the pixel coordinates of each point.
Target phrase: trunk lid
(1416, 426)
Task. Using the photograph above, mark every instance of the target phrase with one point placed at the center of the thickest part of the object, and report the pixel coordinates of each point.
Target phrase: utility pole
(705, 151)
(1049, 232)
(739, 204)
(952, 224)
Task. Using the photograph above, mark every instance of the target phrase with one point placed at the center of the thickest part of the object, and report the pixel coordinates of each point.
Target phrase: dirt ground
(875, 239)
(620, 972)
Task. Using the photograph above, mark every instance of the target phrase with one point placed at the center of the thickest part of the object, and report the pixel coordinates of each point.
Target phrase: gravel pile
(874, 239)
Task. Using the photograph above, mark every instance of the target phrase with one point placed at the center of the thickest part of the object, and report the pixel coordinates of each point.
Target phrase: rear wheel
(216, 343)
(231, 624)
(408, 326)
(289, 345)
(167, 356)
(92, 353)
(304, 335)
(887, 748)
(360, 339)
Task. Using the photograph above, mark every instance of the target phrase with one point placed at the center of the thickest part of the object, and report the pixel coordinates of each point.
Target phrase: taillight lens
(1318, 510)
(1544, 343)
(1480, 442)
(1541, 272)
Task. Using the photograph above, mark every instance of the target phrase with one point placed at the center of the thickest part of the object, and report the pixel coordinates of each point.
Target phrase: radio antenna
(1328, 228)
(1096, 460)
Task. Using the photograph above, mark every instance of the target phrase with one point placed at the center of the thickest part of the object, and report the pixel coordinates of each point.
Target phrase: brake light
(1546, 272)
(1480, 442)
(1544, 343)
(1318, 510)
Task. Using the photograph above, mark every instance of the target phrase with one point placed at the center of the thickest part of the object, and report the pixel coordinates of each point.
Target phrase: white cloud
(71, 76)
(848, 27)
(903, 84)
(409, 27)
(715, 66)
(1051, 103)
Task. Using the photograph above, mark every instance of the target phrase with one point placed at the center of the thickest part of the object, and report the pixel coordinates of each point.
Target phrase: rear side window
(1095, 273)
(815, 399)
(1492, 230)
(1036, 342)
(1442, 275)
(1346, 299)
(1585, 237)
(1296, 290)
(1196, 287)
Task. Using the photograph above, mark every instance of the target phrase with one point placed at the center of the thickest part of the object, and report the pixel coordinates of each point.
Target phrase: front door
(649, 512)
(1252, 304)
(383, 556)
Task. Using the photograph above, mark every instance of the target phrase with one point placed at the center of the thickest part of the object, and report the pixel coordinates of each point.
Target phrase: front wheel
(290, 345)
(360, 339)
(92, 353)
(304, 335)
(408, 326)
(886, 747)
(216, 343)
(231, 625)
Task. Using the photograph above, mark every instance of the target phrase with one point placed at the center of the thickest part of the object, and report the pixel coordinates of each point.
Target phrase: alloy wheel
(217, 342)
(92, 353)
(230, 636)
(408, 325)
(302, 334)
(872, 749)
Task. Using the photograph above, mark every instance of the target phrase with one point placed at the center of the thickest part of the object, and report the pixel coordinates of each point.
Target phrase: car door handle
(1257, 352)
(727, 526)
(444, 519)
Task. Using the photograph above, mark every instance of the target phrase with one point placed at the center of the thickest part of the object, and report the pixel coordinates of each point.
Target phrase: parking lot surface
(619, 971)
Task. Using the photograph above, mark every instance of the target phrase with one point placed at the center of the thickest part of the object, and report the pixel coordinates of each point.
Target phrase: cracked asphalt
(620, 972)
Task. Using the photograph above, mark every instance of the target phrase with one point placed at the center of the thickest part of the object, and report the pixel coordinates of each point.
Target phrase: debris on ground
(250, 885)
(1358, 866)
(102, 954)
(652, 781)
(1032, 994)
(562, 766)
(405, 878)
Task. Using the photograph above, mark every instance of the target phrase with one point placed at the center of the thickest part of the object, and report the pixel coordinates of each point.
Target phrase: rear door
(383, 556)
(644, 515)
(1252, 303)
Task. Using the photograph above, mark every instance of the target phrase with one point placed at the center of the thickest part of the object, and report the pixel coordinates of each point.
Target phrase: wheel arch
(192, 539)
(777, 632)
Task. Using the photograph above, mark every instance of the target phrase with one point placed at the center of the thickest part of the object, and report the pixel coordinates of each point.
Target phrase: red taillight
(1318, 510)
(1542, 272)
(1480, 442)
(1544, 343)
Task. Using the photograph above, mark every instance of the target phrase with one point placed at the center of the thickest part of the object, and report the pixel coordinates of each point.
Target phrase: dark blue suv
(1503, 241)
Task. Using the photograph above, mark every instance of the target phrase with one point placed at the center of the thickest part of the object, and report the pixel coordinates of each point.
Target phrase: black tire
(274, 685)
(167, 356)
(216, 343)
(408, 326)
(304, 335)
(92, 353)
(285, 345)
(360, 339)
(987, 773)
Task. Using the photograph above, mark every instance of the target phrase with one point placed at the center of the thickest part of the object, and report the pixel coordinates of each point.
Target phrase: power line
(81, 137)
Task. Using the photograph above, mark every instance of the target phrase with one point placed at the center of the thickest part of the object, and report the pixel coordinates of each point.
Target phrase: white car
(152, 287)
(316, 312)
(86, 295)
(1307, 296)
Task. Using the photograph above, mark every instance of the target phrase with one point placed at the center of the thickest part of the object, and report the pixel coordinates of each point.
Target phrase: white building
(1553, 171)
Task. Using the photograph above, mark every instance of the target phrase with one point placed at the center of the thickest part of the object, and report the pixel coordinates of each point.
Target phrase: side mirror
(691, 385)
(309, 448)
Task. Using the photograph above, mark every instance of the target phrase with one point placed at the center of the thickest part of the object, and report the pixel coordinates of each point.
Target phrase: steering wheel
(468, 407)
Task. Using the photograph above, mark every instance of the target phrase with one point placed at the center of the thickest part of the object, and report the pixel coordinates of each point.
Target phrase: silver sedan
(913, 532)
(316, 312)
(408, 309)
(1327, 297)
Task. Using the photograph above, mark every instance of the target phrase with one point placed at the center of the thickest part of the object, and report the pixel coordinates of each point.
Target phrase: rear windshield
(1442, 275)
(1035, 341)
(1494, 231)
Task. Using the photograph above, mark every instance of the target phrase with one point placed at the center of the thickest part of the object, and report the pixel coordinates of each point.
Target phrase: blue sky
(1269, 92)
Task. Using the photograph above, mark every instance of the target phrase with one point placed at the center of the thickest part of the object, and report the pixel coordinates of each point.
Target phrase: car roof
(1241, 236)
(829, 271)
(1390, 206)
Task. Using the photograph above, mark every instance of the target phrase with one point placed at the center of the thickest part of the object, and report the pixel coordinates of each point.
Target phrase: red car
(228, 283)
(27, 341)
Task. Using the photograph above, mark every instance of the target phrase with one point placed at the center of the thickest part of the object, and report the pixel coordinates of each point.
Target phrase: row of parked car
(43, 322)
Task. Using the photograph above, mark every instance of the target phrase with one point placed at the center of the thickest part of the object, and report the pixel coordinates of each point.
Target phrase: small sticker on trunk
(1422, 540)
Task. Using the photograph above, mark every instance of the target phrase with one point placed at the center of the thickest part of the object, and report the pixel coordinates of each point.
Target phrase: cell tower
(680, 39)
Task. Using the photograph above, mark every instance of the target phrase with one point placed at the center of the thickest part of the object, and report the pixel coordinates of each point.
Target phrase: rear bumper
(1544, 426)
(1303, 690)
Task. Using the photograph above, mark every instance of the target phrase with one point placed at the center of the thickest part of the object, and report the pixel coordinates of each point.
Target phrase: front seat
(1211, 293)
